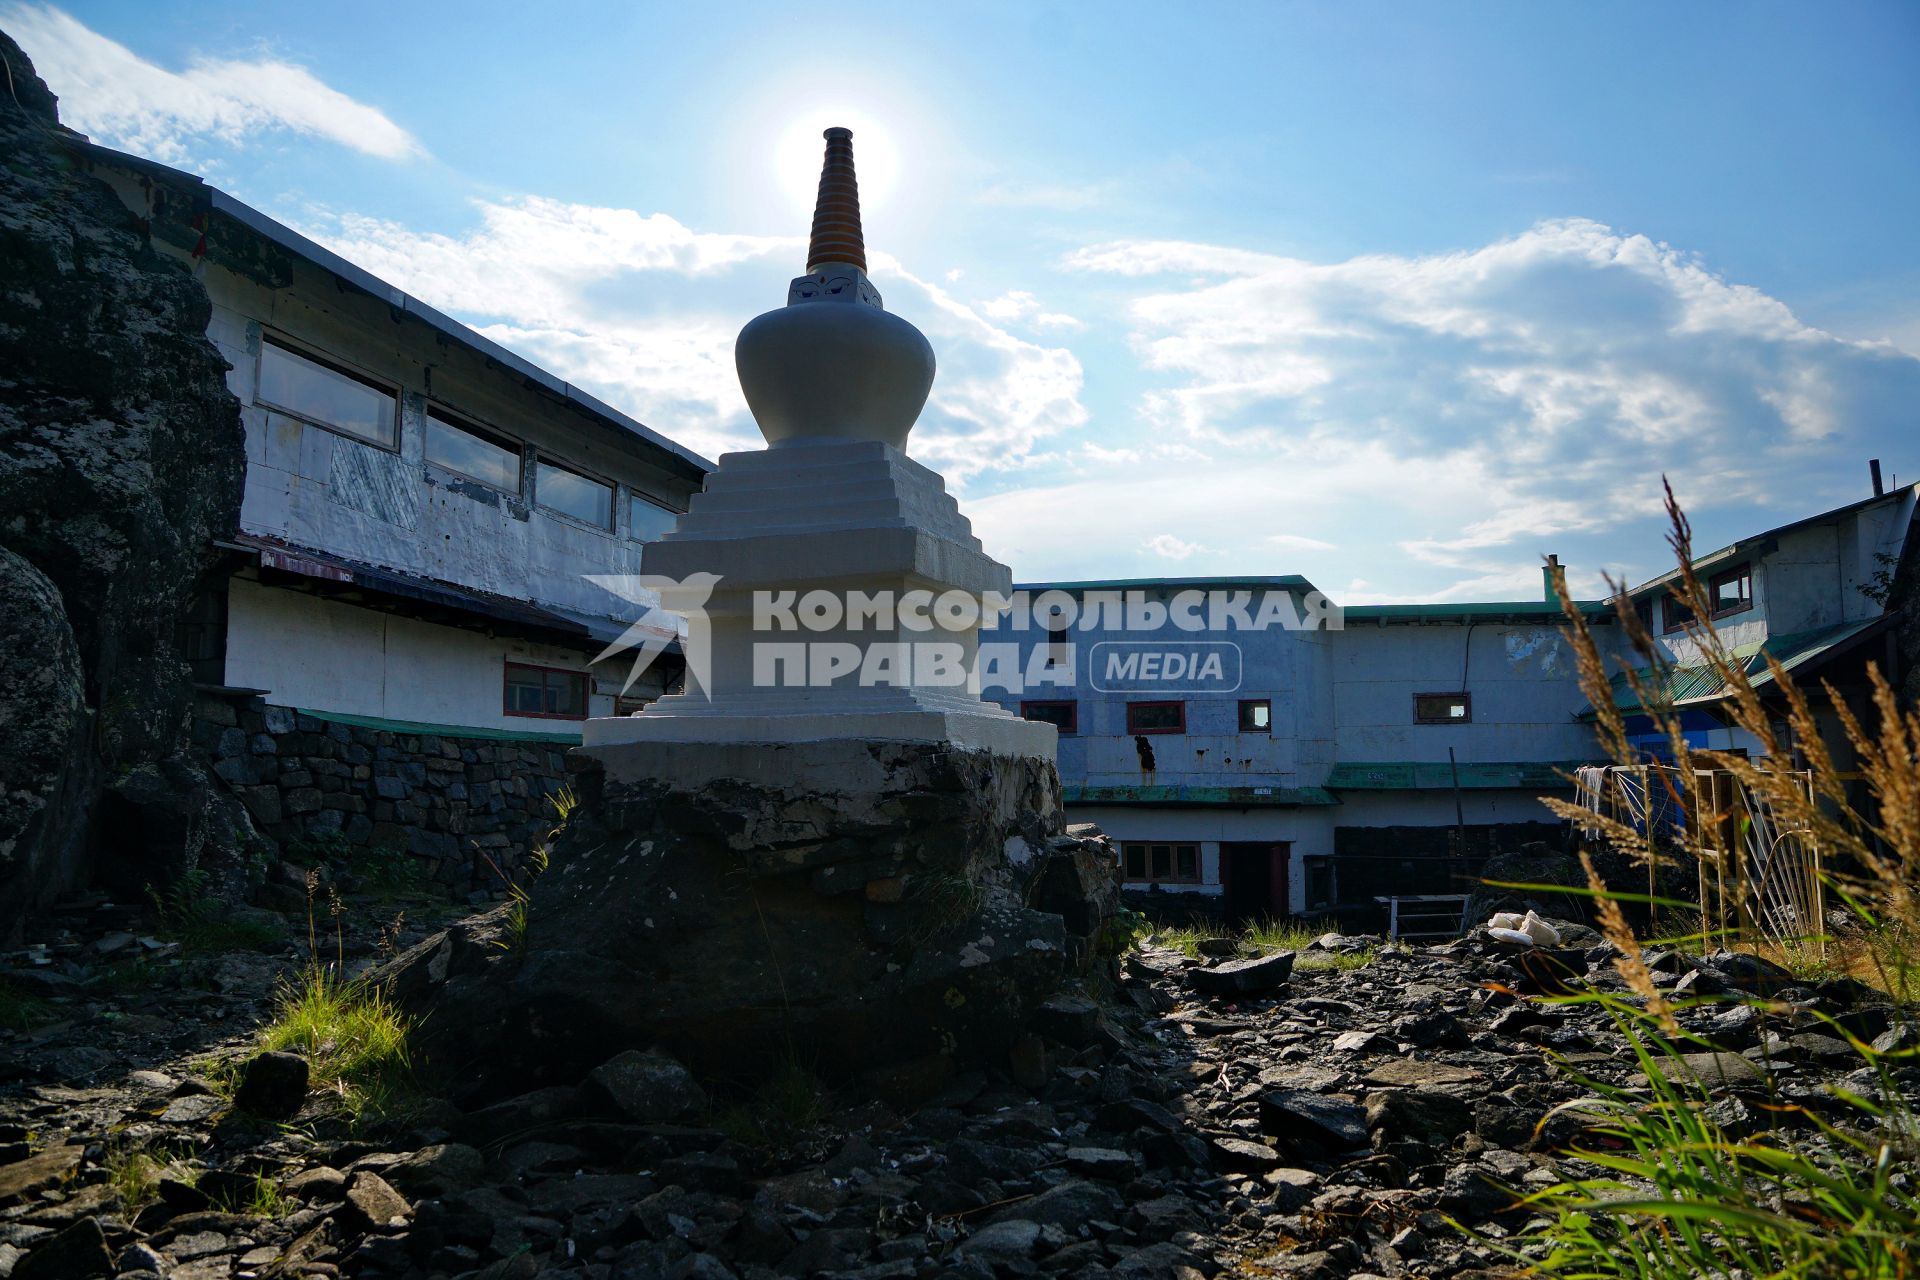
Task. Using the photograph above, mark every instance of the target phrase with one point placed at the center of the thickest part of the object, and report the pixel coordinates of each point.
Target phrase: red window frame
(1464, 698)
(1145, 848)
(1073, 712)
(586, 691)
(1255, 702)
(1132, 707)
(1744, 571)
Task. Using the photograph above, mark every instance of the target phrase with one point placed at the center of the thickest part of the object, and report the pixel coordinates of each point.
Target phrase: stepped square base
(989, 729)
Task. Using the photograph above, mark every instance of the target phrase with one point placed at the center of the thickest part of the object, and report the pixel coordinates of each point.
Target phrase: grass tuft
(353, 1038)
(1262, 935)
(136, 1175)
(1662, 1191)
(18, 1010)
(187, 914)
(786, 1108)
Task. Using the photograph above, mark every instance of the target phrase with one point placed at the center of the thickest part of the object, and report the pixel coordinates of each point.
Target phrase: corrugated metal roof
(1178, 796)
(1679, 686)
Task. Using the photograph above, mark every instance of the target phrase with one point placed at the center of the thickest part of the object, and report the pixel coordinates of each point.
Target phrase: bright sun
(876, 160)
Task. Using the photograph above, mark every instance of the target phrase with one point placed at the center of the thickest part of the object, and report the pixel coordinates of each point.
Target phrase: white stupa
(832, 504)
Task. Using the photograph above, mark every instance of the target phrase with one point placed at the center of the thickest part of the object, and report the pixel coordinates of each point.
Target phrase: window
(1162, 863)
(327, 395)
(1732, 591)
(1256, 715)
(1319, 882)
(1674, 613)
(566, 491)
(1442, 708)
(1064, 716)
(1643, 608)
(474, 452)
(547, 692)
(647, 519)
(1156, 717)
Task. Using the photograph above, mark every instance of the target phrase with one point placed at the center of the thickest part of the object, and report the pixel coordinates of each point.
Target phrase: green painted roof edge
(1698, 685)
(1429, 775)
(1495, 608)
(443, 730)
(1179, 796)
(1146, 584)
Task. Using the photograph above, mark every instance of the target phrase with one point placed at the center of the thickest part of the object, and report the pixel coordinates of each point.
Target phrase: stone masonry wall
(444, 800)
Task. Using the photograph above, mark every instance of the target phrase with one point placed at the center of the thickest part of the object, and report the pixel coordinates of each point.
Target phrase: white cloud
(1518, 397)
(643, 310)
(1020, 305)
(1168, 547)
(117, 97)
(1297, 542)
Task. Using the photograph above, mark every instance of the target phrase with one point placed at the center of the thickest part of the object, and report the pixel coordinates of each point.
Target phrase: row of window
(553, 693)
(1256, 714)
(329, 395)
(1161, 863)
(1729, 592)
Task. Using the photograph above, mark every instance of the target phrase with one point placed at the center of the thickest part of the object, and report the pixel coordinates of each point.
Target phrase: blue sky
(1398, 297)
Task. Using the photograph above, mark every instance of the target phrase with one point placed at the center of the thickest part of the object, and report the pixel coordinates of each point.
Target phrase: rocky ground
(1231, 1114)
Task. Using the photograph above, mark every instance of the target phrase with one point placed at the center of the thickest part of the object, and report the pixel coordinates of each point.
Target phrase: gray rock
(1066, 1206)
(648, 1087)
(78, 1252)
(1006, 1241)
(273, 1086)
(1293, 1114)
(438, 1170)
(121, 460)
(1254, 976)
(1417, 1115)
(373, 1205)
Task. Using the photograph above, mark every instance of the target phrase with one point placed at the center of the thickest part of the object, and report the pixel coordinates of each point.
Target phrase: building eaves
(293, 242)
(1492, 611)
(1429, 775)
(1181, 796)
(1282, 582)
(1906, 493)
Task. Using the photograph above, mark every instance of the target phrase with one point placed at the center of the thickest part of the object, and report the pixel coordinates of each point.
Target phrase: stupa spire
(836, 211)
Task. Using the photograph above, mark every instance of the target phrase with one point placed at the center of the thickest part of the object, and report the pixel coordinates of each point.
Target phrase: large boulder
(121, 459)
(854, 903)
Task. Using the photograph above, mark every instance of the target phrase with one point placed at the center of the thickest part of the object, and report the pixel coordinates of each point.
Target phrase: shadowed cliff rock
(858, 904)
(121, 456)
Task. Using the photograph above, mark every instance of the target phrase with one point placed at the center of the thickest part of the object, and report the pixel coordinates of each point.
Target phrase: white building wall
(1525, 693)
(1308, 830)
(321, 489)
(325, 655)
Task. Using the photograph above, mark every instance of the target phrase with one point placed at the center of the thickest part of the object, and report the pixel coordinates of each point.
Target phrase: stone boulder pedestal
(852, 904)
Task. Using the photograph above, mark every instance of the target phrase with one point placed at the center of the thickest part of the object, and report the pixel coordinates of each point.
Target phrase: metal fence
(1759, 876)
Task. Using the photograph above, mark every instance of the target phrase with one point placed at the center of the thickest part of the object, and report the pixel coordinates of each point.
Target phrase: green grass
(787, 1107)
(1675, 1195)
(353, 1038)
(263, 1199)
(1264, 935)
(136, 1175)
(203, 924)
(18, 1010)
(1186, 939)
